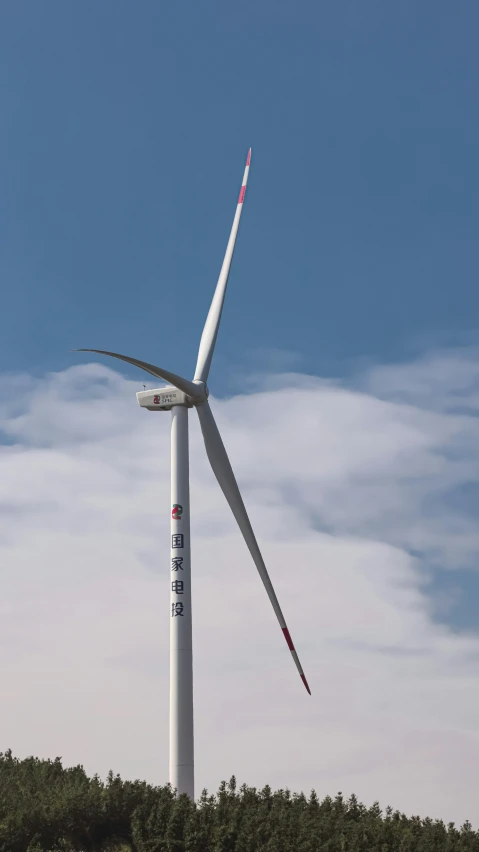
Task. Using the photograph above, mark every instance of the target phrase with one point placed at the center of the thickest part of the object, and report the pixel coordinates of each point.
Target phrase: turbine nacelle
(163, 399)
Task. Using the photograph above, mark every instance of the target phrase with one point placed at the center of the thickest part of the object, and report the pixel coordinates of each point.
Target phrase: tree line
(45, 807)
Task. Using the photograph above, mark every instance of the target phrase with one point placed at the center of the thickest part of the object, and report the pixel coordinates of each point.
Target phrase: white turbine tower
(178, 397)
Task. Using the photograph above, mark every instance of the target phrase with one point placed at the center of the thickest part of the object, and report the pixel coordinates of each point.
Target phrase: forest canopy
(45, 807)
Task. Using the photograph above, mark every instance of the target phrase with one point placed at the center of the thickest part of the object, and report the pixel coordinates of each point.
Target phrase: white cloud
(349, 492)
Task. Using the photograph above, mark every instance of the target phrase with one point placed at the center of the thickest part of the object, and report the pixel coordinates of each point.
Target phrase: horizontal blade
(210, 331)
(224, 474)
(178, 381)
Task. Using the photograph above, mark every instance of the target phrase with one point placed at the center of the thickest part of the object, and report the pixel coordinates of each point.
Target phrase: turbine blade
(210, 331)
(224, 474)
(178, 381)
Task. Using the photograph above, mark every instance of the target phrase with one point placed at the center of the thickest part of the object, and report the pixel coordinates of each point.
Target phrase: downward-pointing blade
(224, 474)
(178, 381)
(210, 331)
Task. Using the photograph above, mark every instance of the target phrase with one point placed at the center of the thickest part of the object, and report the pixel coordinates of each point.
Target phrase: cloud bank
(352, 491)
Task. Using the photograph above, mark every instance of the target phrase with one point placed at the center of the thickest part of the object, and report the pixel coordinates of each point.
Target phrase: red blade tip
(303, 678)
(291, 648)
(248, 159)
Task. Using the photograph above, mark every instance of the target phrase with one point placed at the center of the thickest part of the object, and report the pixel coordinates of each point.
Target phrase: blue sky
(125, 128)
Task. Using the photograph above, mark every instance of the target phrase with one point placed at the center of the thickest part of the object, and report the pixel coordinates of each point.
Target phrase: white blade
(224, 474)
(182, 384)
(210, 331)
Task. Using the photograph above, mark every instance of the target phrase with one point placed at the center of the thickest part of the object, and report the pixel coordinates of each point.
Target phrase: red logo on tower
(176, 512)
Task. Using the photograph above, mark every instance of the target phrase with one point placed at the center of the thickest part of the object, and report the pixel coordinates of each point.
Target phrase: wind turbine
(178, 397)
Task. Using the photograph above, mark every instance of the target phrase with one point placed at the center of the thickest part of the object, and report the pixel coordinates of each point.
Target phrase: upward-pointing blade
(178, 381)
(224, 474)
(210, 331)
